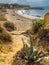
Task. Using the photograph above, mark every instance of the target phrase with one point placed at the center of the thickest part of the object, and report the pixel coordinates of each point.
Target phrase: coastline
(21, 13)
(22, 23)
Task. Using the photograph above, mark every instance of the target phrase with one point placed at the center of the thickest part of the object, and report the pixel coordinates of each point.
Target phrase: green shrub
(37, 25)
(9, 26)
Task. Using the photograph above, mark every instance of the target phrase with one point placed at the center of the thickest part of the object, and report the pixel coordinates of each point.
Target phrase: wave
(22, 13)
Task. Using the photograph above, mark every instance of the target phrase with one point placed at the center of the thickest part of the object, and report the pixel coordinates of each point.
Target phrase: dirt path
(9, 51)
(16, 46)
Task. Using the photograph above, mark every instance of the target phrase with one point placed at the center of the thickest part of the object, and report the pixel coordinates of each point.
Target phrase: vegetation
(32, 55)
(37, 25)
(44, 34)
(4, 36)
(1, 30)
(41, 39)
(9, 26)
(28, 55)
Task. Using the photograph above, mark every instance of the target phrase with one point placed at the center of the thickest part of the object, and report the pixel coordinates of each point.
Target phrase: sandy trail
(22, 25)
(16, 46)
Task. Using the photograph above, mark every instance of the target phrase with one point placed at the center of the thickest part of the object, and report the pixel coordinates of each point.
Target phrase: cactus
(25, 47)
(31, 55)
(31, 45)
(28, 55)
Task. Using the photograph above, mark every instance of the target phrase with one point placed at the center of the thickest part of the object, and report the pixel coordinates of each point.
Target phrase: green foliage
(28, 51)
(37, 25)
(25, 48)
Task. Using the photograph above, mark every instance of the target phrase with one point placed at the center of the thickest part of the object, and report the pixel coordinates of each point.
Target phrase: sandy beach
(23, 23)
(19, 21)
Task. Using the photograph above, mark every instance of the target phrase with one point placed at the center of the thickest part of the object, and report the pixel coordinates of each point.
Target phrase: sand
(10, 50)
(22, 23)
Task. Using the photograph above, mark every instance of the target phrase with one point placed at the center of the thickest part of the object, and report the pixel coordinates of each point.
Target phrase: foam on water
(27, 14)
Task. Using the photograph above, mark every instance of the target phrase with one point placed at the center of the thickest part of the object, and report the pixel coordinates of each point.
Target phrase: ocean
(36, 12)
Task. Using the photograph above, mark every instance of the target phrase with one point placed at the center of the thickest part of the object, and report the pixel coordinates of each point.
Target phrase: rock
(46, 17)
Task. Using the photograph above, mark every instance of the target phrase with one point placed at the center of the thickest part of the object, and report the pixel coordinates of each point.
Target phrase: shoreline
(22, 23)
(19, 12)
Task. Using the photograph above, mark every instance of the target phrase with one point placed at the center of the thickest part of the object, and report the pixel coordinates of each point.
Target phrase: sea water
(32, 12)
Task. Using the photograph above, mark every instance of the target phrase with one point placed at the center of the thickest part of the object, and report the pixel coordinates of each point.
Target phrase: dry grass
(9, 26)
(5, 37)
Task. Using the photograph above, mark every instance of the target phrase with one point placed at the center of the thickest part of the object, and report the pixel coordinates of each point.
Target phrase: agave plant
(31, 55)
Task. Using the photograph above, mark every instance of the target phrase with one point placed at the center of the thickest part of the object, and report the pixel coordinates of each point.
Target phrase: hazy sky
(30, 2)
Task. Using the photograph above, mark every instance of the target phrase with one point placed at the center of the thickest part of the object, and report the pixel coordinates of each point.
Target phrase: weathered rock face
(46, 17)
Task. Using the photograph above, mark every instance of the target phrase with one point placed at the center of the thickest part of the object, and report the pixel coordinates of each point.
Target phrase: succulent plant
(30, 53)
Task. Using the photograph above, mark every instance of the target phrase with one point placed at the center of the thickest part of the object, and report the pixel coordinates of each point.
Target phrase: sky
(28, 2)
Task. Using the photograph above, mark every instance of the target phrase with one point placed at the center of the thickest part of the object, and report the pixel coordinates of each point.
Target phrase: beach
(22, 23)
(22, 13)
